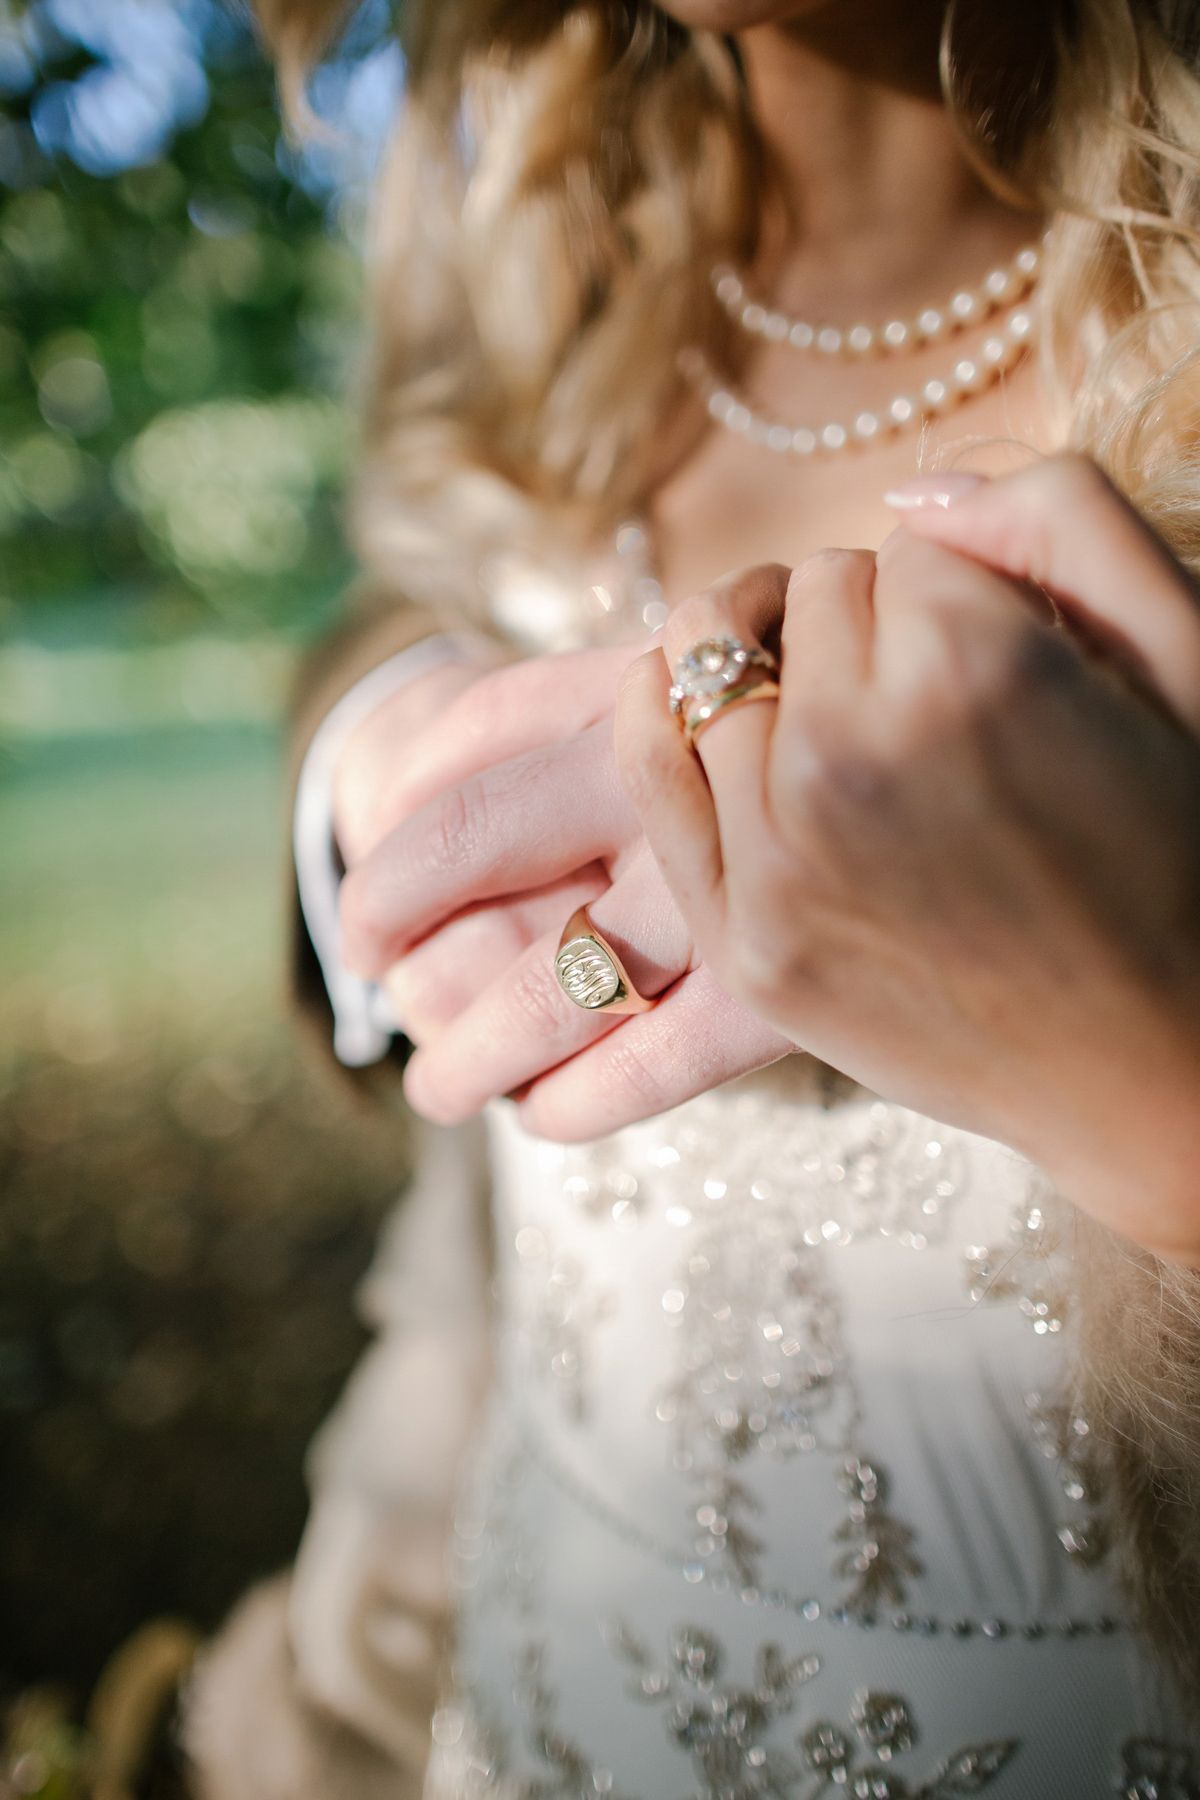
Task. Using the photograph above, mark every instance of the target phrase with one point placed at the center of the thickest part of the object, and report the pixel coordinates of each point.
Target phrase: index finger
(507, 830)
(1063, 526)
(504, 713)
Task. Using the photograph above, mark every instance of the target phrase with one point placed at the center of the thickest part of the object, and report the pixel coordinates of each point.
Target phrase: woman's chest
(734, 503)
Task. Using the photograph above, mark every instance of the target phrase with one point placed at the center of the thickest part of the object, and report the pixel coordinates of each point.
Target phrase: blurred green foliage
(185, 1206)
(175, 345)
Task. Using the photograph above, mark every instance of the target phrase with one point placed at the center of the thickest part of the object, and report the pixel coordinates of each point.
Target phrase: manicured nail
(932, 490)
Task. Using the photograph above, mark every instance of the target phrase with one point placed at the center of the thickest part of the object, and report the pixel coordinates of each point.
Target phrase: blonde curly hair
(564, 177)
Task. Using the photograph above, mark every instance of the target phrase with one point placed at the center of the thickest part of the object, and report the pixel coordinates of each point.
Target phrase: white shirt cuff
(363, 1020)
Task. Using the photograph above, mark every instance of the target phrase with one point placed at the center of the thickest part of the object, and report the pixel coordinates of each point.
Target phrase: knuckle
(632, 1070)
(771, 944)
(650, 769)
(458, 826)
(538, 1001)
(822, 564)
(1072, 477)
(487, 705)
(691, 618)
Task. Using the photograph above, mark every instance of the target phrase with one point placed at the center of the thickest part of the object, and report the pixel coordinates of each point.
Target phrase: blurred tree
(178, 306)
(184, 1208)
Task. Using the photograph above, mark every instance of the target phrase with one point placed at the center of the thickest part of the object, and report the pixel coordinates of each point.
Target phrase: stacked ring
(716, 676)
(590, 972)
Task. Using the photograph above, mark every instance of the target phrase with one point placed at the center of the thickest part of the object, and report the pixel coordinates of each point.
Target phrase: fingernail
(932, 490)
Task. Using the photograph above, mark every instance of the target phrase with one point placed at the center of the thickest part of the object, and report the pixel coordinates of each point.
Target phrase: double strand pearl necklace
(968, 306)
(999, 352)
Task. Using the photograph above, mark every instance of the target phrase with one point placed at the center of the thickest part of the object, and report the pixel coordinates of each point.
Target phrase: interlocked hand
(959, 859)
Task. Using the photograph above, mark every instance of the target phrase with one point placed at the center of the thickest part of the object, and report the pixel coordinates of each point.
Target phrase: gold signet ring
(591, 973)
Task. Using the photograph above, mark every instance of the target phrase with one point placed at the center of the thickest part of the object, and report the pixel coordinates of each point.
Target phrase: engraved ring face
(587, 974)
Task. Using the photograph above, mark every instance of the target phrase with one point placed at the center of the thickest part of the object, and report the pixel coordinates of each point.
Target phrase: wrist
(1134, 1163)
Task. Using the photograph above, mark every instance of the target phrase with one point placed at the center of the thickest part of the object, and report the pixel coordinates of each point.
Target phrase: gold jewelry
(590, 972)
(699, 717)
(968, 306)
(714, 665)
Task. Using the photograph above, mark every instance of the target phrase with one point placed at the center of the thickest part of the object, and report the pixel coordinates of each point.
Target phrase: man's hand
(960, 858)
(506, 814)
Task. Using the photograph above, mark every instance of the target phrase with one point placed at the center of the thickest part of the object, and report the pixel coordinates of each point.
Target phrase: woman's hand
(510, 815)
(960, 860)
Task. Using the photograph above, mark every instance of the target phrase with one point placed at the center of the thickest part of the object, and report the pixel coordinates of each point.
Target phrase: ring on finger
(703, 713)
(590, 972)
(718, 673)
(713, 666)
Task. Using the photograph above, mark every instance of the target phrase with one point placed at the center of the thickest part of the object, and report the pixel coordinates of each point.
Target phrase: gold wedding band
(590, 972)
(715, 676)
(698, 718)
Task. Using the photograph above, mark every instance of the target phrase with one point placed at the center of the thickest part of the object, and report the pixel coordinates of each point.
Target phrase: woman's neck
(872, 198)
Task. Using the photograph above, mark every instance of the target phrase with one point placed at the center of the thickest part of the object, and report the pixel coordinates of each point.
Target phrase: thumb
(1063, 526)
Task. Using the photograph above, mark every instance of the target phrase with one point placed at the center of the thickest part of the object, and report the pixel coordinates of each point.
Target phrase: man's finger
(522, 1023)
(669, 792)
(511, 828)
(946, 632)
(694, 1040)
(504, 713)
(1063, 526)
(440, 978)
(746, 604)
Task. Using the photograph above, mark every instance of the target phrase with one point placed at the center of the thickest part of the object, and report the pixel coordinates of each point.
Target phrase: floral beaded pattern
(1064, 1437)
(721, 1727)
(473, 1760)
(560, 1310)
(1154, 1771)
(760, 1366)
(1031, 1269)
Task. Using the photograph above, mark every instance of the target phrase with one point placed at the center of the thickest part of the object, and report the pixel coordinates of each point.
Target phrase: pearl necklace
(969, 306)
(970, 375)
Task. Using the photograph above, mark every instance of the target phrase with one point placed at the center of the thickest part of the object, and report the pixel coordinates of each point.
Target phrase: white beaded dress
(781, 1488)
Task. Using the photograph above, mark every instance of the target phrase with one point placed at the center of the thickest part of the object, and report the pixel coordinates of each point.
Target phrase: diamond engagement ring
(591, 973)
(715, 676)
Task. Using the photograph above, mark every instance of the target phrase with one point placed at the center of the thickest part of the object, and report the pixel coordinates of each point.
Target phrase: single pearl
(993, 352)
(829, 340)
(966, 306)
(969, 377)
(804, 441)
(936, 395)
(895, 334)
(775, 327)
(721, 404)
(931, 323)
(801, 335)
(1029, 261)
(738, 418)
(833, 437)
(861, 339)
(902, 410)
(1020, 325)
(779, 438)
(866, 426)
(729, 288)
(999, 285)
(754, 317)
